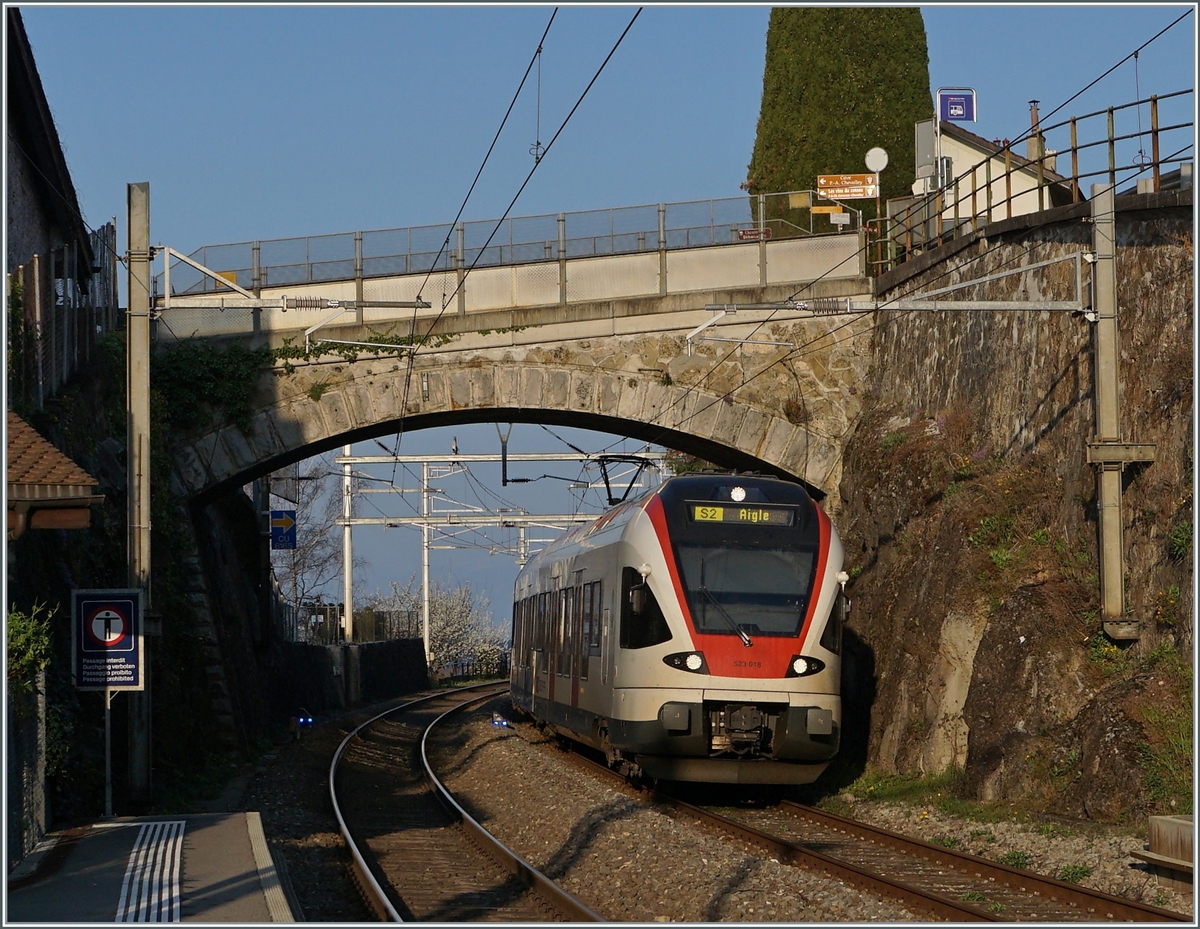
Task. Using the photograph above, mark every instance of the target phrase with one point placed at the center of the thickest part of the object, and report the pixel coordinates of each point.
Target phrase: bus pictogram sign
(106, 643)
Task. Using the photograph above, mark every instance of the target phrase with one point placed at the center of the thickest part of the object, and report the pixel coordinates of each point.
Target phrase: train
(692, 633)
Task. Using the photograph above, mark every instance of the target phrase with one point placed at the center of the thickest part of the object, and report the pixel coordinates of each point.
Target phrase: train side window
(831, 638)
(527, 631)
(578, 635)
(646, 626)
(591, 618)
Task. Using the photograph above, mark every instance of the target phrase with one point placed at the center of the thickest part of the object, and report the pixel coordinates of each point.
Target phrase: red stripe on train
(726, 656)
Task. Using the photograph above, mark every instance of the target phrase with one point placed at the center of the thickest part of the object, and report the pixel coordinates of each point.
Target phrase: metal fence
(321, 623)
(58, 310)
(512, 241)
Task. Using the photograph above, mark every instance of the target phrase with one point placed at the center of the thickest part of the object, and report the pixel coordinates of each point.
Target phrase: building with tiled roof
(45, 488)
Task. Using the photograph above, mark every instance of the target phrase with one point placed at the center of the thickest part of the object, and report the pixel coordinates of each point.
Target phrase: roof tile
(32, 460)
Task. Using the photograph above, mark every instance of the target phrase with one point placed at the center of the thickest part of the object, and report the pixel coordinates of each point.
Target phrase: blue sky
(255, 122)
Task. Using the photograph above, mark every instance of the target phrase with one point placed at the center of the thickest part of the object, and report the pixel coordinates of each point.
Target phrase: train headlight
(803, 666)
(687, 661)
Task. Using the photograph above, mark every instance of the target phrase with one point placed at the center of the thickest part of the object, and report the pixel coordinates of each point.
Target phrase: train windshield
(746, 591)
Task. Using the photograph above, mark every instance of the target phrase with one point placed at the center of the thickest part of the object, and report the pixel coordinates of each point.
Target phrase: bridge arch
(320, 407)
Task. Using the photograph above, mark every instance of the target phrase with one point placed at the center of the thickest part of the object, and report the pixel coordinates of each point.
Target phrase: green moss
(1074, 873)
(1015, 859)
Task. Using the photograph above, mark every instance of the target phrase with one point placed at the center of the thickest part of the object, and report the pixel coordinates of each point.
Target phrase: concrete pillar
(138, 394)
(1108, 426)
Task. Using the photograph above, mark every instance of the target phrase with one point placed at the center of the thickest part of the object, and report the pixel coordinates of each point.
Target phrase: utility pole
(1107, 451)
(347, 552)
(425, 561)
(137, 366)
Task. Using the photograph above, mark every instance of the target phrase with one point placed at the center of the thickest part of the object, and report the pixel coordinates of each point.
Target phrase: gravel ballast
(630, 862)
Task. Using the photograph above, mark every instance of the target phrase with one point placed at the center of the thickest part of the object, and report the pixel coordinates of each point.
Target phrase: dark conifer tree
(838, 82)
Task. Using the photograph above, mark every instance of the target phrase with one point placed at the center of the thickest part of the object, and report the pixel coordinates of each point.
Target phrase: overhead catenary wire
(496, 138)
(446, 299)
(1129, 172)
(811, 346)
(529, 176)
(420, 343)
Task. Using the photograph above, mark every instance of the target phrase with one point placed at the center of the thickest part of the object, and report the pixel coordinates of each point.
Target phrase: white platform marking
(150, 892)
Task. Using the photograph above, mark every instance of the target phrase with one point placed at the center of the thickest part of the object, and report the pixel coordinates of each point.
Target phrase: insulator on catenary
(828, 305)
(309, 303)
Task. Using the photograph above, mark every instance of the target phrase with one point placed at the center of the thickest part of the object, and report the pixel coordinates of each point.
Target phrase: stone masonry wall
(969, 513)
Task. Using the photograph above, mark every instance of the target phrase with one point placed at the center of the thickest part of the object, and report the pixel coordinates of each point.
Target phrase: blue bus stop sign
(956, 104)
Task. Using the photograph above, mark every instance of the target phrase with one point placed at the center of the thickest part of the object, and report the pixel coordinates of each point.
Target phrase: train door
(543, 650)
(578, 645)
(606, 648)
(563, 664)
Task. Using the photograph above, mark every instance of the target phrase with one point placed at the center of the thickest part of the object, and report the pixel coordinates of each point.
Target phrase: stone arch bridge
(760, 390)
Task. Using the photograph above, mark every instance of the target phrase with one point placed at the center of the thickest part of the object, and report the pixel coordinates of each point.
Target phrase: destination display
(754, 515)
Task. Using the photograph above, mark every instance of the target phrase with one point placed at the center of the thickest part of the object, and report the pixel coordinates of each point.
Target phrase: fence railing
(1006, 184)
(513, 241)
(57, 310)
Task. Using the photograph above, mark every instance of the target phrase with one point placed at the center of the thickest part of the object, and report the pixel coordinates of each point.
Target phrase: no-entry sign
(106, 640)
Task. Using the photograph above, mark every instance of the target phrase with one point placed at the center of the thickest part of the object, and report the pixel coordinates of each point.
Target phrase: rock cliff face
(969, 514)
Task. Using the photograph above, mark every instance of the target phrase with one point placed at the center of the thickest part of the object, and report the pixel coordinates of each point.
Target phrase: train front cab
(782, 730)
(745, 686)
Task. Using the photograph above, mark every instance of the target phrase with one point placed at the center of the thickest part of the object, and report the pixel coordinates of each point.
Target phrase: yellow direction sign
(848, 186)
(826, 209)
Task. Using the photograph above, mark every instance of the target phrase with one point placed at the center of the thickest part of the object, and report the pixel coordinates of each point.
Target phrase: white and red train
(692, 634)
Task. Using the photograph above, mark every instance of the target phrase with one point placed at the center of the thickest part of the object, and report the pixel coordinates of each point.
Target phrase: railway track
(939, 881)
(927, 879)
(417, 854)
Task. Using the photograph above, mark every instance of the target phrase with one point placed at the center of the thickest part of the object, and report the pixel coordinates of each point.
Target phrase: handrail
(923, 222)
(638, 229)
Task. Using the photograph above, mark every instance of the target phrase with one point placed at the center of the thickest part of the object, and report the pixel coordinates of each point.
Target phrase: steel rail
(503, 855)
(1099, 903)
(372, 890)
(915, 898)
(1096, 903)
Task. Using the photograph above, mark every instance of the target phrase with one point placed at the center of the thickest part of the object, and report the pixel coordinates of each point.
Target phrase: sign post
(107, 654)
(954, 105)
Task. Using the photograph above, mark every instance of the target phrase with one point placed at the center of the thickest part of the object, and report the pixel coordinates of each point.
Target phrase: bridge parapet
(517, 240)
(762, 264)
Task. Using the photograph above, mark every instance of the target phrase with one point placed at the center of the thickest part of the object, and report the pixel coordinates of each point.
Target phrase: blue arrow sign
(283, 529)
